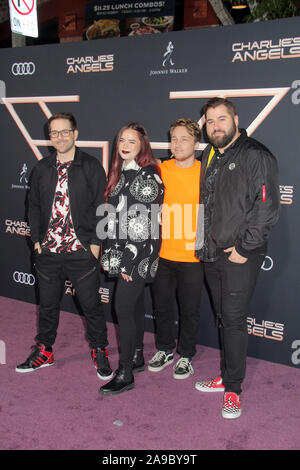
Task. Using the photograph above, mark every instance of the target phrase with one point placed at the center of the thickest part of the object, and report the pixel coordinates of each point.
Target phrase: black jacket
(86, 185)
(240, 194)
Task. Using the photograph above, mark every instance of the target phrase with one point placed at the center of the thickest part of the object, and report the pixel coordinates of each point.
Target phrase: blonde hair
(191, 126)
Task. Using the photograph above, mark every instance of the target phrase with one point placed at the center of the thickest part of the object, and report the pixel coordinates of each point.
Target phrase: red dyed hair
(144, 158)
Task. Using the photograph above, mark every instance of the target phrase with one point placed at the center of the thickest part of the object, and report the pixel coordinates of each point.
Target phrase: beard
(221, 141)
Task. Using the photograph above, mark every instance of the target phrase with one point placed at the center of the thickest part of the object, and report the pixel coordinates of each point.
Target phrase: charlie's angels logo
(265, 329)
(103, 292)
(104, 295)
(17, 227)
(286, 48)
(275, 94)
(100, 63)
(42, 101)
(286, 194)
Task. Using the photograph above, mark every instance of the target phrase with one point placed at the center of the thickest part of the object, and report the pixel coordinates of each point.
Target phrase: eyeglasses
(64, 133)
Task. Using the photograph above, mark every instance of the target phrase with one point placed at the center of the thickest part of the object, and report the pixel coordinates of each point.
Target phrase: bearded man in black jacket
(240, 194)
(66, 189)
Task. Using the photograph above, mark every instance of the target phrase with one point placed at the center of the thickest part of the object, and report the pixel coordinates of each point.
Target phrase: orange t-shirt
(180, 211)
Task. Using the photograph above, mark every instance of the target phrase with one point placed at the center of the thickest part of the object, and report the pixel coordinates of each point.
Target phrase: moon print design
(119, 186)
(144, 190)
(121, 204)
(154, 267)
(137, 226)
(143, 268)
(158, 179)
(133, 249)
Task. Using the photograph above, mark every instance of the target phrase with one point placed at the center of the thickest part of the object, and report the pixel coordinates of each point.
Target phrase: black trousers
(129, 305)
(82, 269)
(232, 286)
(185, 279)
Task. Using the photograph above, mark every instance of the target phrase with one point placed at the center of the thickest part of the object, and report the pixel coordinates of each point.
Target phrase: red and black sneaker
(210, 385)
(100, 359)
(40, 357)
(231, 406)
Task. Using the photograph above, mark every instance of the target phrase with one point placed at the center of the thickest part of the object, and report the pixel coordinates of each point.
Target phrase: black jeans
(82, 269)
(185, 279)
(129, 304)
(232, 286)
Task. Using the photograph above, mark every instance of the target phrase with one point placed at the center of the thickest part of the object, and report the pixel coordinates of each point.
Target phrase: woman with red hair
(134, 195)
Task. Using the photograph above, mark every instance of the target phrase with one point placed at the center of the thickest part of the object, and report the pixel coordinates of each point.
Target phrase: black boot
(138, 361)
(122, 381)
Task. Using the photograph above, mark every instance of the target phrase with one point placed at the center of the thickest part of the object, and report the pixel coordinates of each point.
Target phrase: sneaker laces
(184, 363)
(158, 356)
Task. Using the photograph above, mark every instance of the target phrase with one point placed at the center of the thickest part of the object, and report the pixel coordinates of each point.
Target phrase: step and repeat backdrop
(155, 79)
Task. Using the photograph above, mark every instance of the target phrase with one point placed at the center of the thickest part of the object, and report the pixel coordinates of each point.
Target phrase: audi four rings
(23, 68)
(24, 278)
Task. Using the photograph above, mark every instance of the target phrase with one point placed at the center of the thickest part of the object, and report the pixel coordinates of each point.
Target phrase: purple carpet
(59, 408)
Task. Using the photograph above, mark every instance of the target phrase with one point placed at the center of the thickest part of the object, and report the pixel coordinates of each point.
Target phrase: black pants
(185, 279)
(129, 304)
(82, 269)
(232, 286)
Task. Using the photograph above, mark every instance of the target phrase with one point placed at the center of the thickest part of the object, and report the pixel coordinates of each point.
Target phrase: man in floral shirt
(66, 189)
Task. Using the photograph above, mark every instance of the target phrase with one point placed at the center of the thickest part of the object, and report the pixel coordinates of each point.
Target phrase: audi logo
(267, 264)
(23, 68)
(24, 278)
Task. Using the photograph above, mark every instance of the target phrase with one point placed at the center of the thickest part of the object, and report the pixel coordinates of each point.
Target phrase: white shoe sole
(22, 371)
(227, 415)
(207, 389)
(105, 378)
(181, 376)
(158, 369)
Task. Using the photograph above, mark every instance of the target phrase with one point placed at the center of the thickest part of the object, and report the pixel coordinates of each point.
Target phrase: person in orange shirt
(179, 271)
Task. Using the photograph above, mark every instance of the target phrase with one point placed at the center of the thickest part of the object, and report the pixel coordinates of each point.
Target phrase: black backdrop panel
(107, 83)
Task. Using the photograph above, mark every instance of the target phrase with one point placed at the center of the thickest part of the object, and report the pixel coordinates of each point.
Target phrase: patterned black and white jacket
(133, 226)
